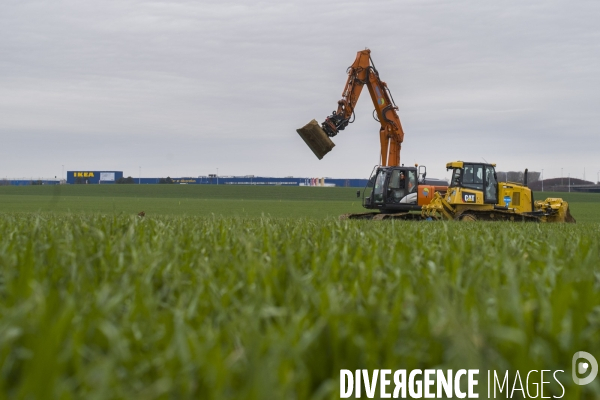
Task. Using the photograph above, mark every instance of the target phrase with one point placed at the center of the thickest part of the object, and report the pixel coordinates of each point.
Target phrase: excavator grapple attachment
(316, 138)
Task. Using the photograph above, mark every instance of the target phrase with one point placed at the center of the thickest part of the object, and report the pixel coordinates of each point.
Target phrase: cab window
(379, 185)
(396, 186)
(473, 176)
(395, 179)
(455, 181)
(412, 181)
(491, 186)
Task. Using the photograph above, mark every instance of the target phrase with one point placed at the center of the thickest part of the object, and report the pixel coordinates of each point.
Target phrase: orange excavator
(392, 188)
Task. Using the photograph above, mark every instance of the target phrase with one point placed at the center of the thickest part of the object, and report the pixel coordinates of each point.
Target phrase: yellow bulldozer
(475, 194)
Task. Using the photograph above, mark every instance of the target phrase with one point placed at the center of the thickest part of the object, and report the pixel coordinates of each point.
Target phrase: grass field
(202, 300)
(251, 201)
(225, 200)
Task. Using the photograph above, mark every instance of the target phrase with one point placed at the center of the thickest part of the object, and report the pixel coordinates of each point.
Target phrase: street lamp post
(542, 179)
(569, 182)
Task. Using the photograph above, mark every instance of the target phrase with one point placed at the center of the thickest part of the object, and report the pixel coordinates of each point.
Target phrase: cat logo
(468, 198)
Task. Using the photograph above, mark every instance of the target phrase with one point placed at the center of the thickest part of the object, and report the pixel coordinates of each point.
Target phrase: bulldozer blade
(568, 217)
(316, 138)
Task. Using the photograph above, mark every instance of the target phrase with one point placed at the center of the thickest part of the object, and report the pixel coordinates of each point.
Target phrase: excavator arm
(362, 72)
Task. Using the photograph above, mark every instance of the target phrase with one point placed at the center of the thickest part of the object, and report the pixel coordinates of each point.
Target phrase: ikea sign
(83, 174)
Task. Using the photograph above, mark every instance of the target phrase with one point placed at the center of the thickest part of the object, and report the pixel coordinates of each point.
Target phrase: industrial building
(259, 181)
(93, 177)
(111, 177)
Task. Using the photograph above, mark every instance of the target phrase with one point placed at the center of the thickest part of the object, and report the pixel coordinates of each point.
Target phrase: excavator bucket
(316, 138)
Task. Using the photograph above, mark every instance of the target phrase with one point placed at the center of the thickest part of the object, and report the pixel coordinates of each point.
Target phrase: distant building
(252, 180)
(84, 177)
(93, 177)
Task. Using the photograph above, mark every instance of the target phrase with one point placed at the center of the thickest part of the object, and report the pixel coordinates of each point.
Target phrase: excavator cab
(399, 189)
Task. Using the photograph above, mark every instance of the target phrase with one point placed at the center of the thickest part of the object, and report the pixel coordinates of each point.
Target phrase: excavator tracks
(375, 216)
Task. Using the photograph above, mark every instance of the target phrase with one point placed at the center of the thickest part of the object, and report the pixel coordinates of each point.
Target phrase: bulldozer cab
(478, 177)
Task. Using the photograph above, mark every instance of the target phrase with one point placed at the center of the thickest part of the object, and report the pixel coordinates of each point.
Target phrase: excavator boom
(393, 188)
(361, 72)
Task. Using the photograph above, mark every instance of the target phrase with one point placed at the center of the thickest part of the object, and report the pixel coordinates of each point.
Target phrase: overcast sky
(181, 88)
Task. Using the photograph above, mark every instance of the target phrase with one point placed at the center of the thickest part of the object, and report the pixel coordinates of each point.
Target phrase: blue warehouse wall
(110, 177)
(93, 177)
